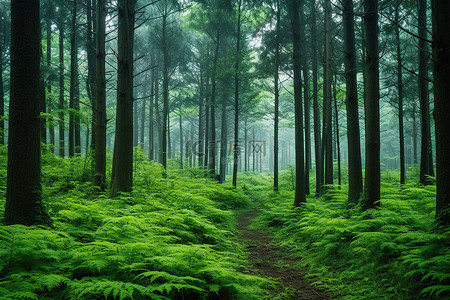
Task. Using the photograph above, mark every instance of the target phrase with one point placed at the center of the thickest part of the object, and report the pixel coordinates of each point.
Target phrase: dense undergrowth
(394, 252)
(172, 238)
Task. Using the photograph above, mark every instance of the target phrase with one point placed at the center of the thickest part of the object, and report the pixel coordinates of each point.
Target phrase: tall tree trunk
(135, 124)
(43, 103)
(100, 91)
(151, 123)
(51, 126)
(23, 188)
(91, 56)
(213, 146)
(355, 183)
(201, 129)
(223, 141)
(316, 113)
(372, 106)
(426, 157)
(338, 143)
(327, 116)
(246, 153)
(180, 123)
(277, 100)
(61, 82)
(158, 153)
(400, 97)
(300, 196)
(236, 96)
(307, 98)
(142, 131)
(207, 134)
(441, 59)
(414, 133)
(122, 173)
(73, 78)
(165, 127)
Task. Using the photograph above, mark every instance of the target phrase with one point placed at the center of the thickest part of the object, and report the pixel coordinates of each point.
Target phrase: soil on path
(270, 260)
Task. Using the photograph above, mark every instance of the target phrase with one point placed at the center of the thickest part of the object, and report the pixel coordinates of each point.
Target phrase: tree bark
(23, 188)
(355, 183)
(122, 173)
(441, 59)
(91, 56)
(236, 96)
(306, 91)
(327, 115)
(223, 141)
(400, 98)
(165, 127)
(277, 101)
(61, 83)
(100, 91)
(316, 113)
(300, 196)
(213, 146)
(73, 79)
(372, 106)
(426, 157)
(51, 126)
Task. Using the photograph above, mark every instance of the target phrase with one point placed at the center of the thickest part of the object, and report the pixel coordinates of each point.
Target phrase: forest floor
(270, 260)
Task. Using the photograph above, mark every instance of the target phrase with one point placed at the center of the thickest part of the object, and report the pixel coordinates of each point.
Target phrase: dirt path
(273, 261)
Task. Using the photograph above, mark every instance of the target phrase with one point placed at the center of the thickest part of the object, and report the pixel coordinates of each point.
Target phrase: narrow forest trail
(270, 260)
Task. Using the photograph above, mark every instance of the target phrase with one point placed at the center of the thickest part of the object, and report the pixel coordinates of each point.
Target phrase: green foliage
(171, 238)
(394, 252)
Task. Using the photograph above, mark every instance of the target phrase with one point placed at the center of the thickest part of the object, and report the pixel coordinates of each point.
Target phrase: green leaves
(393, 251)
(170, 237)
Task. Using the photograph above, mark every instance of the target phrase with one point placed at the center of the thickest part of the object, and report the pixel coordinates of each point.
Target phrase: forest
(224, 149)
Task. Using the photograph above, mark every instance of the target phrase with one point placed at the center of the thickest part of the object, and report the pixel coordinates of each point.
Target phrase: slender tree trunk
(223, 141)
(122, 173)
(201, 129)
(441, 59)
(23, 188)
(300, 196)
(91, 56)
(277, 101)
(355, 183)
(253, 149)
(166, 128)
(246, 154)
(181, 137)
(143, 118)
(43, 102)
(426, 157)
(317, 140)
(61, 83)
(51, 126)
(400, 97)
(100, 91)
(151, 124)
(213, 146)
(73, 78)
(328, 78)
(158, 117)
(338, 144)
(135, 124)
(307, 98)
(207, 135)
(236, 97)
(372, 106)
(414, 133)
